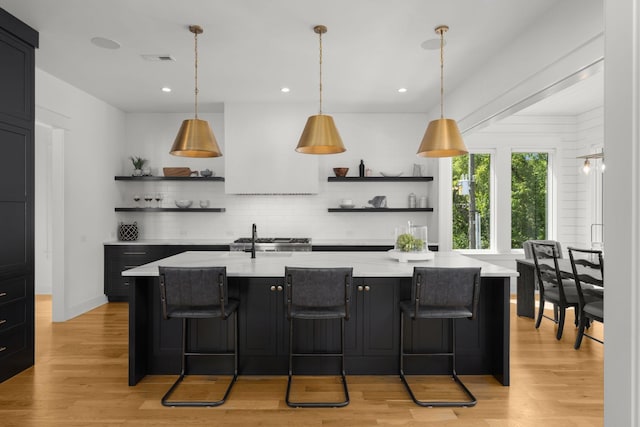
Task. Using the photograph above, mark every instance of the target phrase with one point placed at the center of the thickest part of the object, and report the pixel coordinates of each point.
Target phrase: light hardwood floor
(80, 379)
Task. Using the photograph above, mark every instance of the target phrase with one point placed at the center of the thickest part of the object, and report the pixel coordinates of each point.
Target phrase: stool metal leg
(165, 399)
(472, 400)
(340, 404)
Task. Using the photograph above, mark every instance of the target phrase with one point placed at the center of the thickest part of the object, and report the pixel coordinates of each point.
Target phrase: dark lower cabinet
(17, 123)
(120, 257)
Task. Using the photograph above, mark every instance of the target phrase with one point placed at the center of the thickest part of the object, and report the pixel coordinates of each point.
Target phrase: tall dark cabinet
(17, 80)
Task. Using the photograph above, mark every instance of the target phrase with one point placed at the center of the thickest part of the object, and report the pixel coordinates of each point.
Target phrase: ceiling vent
(155, 58)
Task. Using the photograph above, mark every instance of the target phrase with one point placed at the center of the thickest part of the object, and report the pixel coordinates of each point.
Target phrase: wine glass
(148, 198)
(158, 198)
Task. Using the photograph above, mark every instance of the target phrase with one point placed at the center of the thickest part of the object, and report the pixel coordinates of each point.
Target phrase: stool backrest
(192, 288)
(446, 287)
(318, 287)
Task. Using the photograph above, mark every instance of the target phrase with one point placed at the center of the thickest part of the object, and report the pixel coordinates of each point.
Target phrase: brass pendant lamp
(320, 135)
(195, 137)
(442, 138)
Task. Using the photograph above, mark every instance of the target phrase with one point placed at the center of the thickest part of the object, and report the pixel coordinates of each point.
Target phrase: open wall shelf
(379, 178)
(380, 210)
(170, 209)
(169, 178)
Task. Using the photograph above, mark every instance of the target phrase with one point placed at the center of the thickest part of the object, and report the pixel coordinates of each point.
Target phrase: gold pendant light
(320, 135)
(195, 137)
(442, 138)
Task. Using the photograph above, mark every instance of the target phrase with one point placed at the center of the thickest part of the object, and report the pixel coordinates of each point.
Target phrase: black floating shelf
(169, 178)
(381, 210)
(380, 178)
(170, 209)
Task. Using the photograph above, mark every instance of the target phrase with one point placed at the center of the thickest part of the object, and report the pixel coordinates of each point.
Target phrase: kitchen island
(372, 332)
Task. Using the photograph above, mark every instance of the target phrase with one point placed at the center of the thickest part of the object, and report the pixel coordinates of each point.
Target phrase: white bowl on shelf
(391, 174)
(183, 203)
(347, 206)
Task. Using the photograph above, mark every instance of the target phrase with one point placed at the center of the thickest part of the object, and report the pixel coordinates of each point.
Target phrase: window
(471, 175)
(529, 176)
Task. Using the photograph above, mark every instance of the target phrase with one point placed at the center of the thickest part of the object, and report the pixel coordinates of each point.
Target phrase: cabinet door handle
(3, 294)
(3, 321)
(273, 288)
(280, 288)
(360, 288)
(367, 288)
(2, 349)
(134, 253)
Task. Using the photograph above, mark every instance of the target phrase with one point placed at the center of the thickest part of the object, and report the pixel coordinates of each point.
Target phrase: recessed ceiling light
(285, 90)
(105, 43)
(402, 90)
(432, 44)
(166, 89)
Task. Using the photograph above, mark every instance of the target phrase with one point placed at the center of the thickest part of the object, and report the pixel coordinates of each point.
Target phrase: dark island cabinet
(17, 124)
(372, 331)
(264, 340)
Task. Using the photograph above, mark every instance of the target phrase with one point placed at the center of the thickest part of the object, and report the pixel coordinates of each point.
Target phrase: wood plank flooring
(80, 379)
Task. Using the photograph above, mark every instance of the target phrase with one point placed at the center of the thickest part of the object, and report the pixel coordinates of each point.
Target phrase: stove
(273, 244)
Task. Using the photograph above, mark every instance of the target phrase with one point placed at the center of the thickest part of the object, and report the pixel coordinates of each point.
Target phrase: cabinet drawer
(12, 341)
(12, 315)
(12, 289)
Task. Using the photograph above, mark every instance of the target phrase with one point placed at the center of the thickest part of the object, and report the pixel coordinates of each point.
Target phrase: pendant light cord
(320, 34)
(195, 35)
(441, 73)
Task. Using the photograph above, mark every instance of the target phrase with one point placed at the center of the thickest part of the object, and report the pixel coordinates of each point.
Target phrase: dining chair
(553, 288)
(588, 273)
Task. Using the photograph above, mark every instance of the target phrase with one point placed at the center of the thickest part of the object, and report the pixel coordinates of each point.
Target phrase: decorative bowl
(391, 174)
(340, 171)
(183, 203)
(344, 206)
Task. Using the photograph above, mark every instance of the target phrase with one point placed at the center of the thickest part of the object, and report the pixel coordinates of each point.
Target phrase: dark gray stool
(441, 293)
(318, 293)
(197, 293)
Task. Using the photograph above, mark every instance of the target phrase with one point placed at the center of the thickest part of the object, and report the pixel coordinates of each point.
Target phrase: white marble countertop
(272, 264)
(226, 241)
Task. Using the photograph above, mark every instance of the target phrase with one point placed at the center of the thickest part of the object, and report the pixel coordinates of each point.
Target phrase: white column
(622, 212)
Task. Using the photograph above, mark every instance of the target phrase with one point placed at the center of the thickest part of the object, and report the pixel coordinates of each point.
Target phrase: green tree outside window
(471, 175)
(528, 197)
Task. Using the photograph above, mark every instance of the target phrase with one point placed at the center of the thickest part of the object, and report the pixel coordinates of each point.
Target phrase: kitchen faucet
(254, 235)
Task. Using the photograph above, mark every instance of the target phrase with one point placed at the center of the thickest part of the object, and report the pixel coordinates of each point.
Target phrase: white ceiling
(252, 48)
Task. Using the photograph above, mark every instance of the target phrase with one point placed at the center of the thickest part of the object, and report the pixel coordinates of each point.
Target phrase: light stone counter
(272, 264)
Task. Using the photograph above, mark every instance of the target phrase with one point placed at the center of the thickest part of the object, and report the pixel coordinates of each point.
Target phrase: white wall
(384, 141)
(92, 154)
(43, 222)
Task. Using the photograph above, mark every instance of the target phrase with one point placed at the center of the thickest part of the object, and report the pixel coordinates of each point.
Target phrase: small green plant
(138, 162)
(407, 243)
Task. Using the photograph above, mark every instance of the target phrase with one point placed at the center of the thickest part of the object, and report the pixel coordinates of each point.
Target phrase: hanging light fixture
(195, 137)
(320, 135)
(442, 138)
(586, 166)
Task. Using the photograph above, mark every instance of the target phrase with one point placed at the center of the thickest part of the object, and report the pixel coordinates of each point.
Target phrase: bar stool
(318, 293)
(441, 293)
(197, 293)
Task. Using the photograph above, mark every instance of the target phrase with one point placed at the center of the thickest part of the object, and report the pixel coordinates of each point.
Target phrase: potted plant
(138, 163)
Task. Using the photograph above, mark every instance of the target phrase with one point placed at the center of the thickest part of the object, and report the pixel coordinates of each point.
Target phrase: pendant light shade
(195, 137)
(442, 137)
(320, 135)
